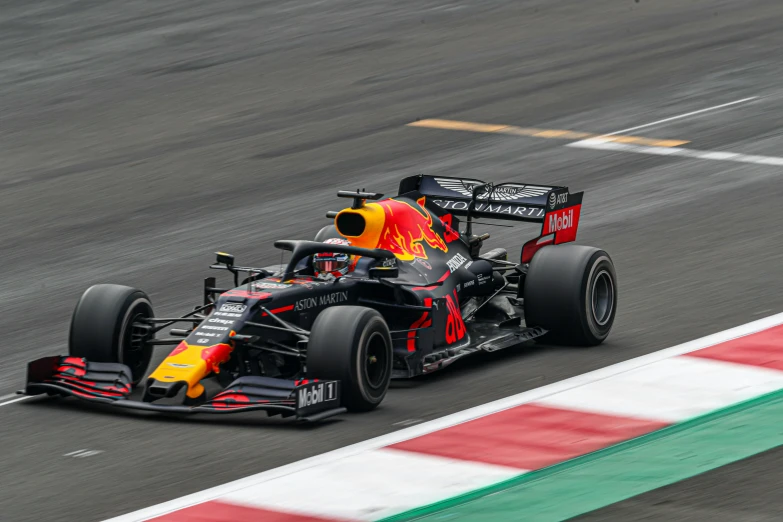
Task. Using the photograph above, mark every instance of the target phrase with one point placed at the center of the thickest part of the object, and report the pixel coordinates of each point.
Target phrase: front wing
(110, 383)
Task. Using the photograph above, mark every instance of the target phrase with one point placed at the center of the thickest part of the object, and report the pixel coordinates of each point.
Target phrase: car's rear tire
(102, 327)
(352, 344)
(327, 232)
(571, 290)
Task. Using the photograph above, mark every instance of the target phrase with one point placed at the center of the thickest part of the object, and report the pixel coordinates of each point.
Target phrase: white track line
(600, 144)
(449, 420)
(24, 397)
(603, 143)
(687, 114)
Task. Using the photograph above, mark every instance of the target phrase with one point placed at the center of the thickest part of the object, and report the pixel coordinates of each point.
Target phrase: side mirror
(224, 259)
(380, 272)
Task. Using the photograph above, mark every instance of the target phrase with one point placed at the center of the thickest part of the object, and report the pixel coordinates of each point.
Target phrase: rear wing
(555, 207)
(476, 198)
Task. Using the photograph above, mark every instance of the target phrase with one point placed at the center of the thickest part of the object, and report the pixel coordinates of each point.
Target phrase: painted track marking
(450, 420)
(79, 454)
(617, 141)
(24, 397)
(601, 144)
(469, 126)
(681, 116)
(607, 142)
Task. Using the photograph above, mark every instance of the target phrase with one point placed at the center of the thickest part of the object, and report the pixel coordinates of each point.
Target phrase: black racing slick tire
(571, 291)
(352, 344)
(327, 232)
(102, 327)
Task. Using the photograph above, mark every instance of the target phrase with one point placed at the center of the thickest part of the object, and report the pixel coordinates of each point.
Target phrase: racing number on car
(449, 233)
(455, 326)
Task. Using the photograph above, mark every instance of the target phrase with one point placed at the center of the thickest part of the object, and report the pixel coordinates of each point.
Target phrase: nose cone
(155, 389)
(186, 366)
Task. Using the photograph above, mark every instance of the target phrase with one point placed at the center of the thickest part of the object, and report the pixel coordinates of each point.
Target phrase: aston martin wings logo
(507, 192)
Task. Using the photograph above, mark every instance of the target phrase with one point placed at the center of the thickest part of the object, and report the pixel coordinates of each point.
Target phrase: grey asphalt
(138, 137)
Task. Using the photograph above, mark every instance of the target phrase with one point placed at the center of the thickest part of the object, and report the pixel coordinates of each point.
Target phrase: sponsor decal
(424, 263)
(389, 263)
(563, 222)
(459, 287)
(468, 284)
(225, 314)
(223, 328)
(455, 262)
(505, 192)
(322, 300)
(308, 283)
(304, 304)
(220, 321)
(422, 322)
(559, 222)
(449, 233)
(316, 393)
(232, 307)
(455, 326)
(482, 279)
(406, 229)
(557, 199)
(499, 208)
(248, 294)
(178, 365)
(467, 265)
(267, 284)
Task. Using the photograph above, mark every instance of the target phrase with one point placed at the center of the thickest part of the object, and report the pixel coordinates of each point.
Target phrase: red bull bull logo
(406, 229)
(393, 225)
(191, 363)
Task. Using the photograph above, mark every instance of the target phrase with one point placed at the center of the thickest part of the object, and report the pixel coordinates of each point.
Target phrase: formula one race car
(419, 295)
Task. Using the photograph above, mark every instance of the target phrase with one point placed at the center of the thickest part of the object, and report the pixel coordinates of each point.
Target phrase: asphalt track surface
(138, 137)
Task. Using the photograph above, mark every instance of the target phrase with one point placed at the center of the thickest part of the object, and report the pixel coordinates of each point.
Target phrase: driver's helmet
(333, 264)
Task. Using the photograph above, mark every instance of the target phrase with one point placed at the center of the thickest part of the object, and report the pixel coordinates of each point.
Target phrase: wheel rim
(135, 352)
(376, 361)
(602, 298)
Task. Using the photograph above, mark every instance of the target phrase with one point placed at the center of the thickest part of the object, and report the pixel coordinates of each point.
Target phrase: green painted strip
(622, 471)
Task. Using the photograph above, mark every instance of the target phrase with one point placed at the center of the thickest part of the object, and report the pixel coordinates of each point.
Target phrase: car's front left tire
(102, 327)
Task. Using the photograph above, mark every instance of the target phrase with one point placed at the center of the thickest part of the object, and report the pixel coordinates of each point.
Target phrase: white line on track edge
(678, 117)
(22, 398)
(450, 420)
(682, 152)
